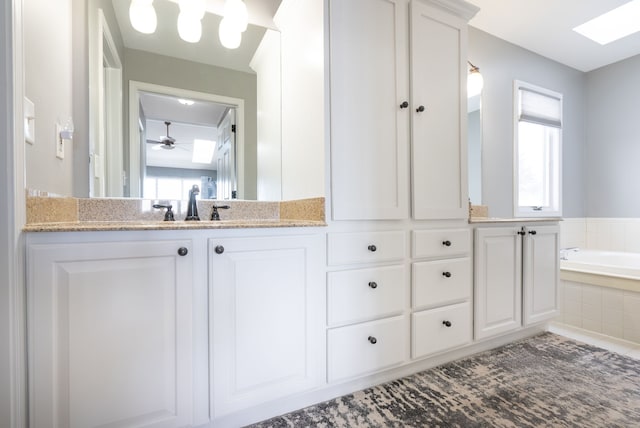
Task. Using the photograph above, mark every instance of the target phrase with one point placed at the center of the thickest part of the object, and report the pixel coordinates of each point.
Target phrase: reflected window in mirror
(537, 151)
(474, 141)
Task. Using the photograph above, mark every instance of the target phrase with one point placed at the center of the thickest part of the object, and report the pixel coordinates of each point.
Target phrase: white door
(369, 128)
(541, 273)
(110, 334)
(226, 160)
(497, 281)
(267, 319)
(438, 109)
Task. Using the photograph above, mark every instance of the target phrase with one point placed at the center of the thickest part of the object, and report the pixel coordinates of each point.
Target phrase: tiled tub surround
(46, 213)
(597, 303)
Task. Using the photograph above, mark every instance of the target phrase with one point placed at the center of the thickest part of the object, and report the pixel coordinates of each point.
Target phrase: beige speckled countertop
(66, 214)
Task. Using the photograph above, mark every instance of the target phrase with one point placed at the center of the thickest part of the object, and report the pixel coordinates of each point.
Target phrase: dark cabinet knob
(372, 340)
(446, 323)
(404, 104)
(446, 274)
(372, 248)
(420, 109)
(373, 284)
(219, 249)
(521, 232)
(446, 243)
(183, 251)
(532, 232)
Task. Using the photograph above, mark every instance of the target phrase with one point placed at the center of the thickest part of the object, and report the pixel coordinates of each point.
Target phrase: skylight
(203, 151)
(613, 25)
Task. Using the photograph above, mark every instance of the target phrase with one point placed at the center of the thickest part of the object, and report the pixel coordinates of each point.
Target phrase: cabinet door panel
(438, 59)
(110, 335)
(369, 130)
(266, 326)
(541, 273)
(498, 281)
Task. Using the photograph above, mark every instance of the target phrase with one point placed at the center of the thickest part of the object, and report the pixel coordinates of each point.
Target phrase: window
(537, 151)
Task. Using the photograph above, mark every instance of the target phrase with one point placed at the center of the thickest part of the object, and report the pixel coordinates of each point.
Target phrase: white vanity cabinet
(441, 290)
(109, 332)
(516, 277)
(266, 319)
(378, 105)
(367, 303)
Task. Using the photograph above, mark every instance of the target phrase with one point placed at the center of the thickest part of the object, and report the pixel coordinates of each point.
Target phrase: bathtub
(623, 269)
(600, 292)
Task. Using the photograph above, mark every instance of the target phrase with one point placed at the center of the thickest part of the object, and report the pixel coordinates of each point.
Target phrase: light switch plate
(59, 142)
(29, 121)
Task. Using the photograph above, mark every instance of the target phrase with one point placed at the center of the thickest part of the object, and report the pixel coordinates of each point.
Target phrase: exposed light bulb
(235, 12)
(475, 82)
(143, 16)
(189, 28)
(230, 37)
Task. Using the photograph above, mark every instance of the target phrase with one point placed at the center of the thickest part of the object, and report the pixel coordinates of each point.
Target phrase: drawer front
(366, 294)
(439, 329)
(440, 243)
(441, 282)
(366, 347)
(365, 247)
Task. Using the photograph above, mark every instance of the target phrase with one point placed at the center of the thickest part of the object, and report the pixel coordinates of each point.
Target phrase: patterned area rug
(543, 381)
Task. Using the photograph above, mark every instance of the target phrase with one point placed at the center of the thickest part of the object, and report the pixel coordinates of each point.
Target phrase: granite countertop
(513, 220)
(80, 226)
(67, 214)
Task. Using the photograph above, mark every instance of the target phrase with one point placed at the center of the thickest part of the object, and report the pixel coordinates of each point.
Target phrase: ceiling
(165, 40)
(545, 27)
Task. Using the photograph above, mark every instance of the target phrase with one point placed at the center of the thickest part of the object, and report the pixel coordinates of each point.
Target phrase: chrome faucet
(564, 252)
(192, 207)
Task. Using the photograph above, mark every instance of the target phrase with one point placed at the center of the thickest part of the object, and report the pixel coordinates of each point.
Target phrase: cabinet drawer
(439, 329)
(441, 243)
(441, 282)
(366, 347)
(366, 294)
(365, 247)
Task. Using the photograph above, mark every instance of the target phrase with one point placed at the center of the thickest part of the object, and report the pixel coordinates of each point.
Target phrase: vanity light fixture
(143, 16)
(190, 20)
(233, 24)
(475, 82)
(613, 25)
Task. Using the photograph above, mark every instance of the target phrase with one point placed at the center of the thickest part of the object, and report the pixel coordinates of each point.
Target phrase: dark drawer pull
(183, 251)
(372, 248)
(446, 323)
(446, 243)
(372, 340)
(219, 249)
(373, 284)
(446, 274)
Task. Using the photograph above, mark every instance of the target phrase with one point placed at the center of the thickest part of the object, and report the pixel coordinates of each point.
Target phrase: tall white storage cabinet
(438, 109)
(369, 109)
(392, 83)
(266, 318)
(110, 339)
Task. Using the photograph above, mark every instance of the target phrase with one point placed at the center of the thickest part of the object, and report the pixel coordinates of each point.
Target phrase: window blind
(540, 108)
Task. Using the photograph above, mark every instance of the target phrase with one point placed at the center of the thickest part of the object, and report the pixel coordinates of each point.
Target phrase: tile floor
(630, 349)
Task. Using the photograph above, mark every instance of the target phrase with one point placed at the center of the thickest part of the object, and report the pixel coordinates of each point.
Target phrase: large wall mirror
(474, 141)
(207, 94)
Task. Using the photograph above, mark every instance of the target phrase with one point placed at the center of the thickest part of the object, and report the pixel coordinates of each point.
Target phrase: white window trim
(529, 211)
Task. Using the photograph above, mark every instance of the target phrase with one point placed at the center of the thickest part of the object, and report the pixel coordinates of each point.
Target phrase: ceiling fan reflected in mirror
(166, 142)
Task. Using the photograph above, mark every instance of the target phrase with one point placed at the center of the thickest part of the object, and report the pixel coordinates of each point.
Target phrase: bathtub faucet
(564, 252)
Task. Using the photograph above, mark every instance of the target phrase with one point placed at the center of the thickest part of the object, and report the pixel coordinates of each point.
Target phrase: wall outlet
(59, 142)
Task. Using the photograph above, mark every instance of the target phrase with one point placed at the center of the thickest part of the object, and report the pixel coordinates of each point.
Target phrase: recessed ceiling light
(613, 25)
(185, 102)
(203, 151)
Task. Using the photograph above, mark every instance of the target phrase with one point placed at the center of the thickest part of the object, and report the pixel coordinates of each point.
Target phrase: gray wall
(613, 148)
(162, 70)
(501, 63)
